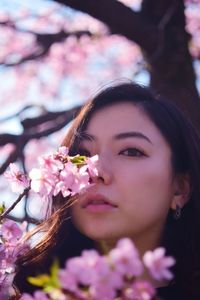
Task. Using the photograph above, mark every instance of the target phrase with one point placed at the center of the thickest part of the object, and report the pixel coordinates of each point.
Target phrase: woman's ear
(182, 190)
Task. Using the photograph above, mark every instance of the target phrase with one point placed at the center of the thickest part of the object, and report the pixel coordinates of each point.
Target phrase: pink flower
(55, 174)
(6, 281)
(158, 264)
(12, 246)
(73, 275)
(106, 281)
(66, 180)
(125, 258)
(72, 180)
(50, 164)
(42, 182)
(84, 267)
(19, 180)
(54, 162)
(62, 153)
(82, 180)
(63, 150)
(102, 292)
(93, 271)
(7, 264)
(11, 231)
(92, 165)
(140, 290)
(58, 174)
(68, 281)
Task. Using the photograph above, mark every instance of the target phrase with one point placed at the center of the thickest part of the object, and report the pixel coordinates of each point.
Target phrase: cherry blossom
(92, 163)
(98, 277)
(68, 281)
(42, 182)
(18, 179)
(57, 173)
(12, 245)
(140, 290)
(69, 180)
(125, 258)
(106, 282)
(158, 264)
(11, 231)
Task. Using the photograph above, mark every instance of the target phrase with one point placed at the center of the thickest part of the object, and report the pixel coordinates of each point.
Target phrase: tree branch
(45, 41)
(11, 158)
(49, 116)
(26, 218)
(53, 122)
(120, 19)
(4, 215)
(6, 138)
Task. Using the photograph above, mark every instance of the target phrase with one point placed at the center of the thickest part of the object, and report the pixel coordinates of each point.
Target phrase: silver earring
(177, 212)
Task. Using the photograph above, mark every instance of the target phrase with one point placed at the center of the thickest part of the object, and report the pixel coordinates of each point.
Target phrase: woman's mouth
(97, 203)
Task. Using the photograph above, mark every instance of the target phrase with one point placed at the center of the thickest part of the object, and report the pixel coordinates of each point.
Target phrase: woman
(147, 188)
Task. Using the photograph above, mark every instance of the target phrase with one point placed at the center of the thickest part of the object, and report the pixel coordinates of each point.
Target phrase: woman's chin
(106, 236)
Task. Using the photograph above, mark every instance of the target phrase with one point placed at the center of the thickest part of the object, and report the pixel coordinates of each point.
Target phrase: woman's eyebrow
(123, 135)
(129, 134)
(85, 136)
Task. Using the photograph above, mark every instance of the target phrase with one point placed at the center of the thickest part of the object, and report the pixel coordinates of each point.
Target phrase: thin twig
(26, 190)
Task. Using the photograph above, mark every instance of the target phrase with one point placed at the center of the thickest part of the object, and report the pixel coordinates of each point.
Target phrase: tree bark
(171, 67)
(159, 29)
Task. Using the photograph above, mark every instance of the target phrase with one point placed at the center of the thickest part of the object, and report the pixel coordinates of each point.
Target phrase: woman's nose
(104, 171)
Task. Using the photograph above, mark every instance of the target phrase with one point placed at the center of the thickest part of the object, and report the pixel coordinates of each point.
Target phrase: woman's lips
(97, 203)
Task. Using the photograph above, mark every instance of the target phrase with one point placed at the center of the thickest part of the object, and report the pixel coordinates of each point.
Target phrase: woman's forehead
(122, 118)
(117, 117)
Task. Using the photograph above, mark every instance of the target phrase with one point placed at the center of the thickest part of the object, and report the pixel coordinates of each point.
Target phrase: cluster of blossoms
(12, 245)
(101, 277)
(57, 172)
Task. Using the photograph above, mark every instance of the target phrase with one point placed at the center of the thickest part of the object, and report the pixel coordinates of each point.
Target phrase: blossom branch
(44, 42)
(57, 173)
(52, 121)
(25, 192)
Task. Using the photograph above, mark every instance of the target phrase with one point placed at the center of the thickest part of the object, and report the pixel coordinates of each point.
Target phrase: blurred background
(55, 55)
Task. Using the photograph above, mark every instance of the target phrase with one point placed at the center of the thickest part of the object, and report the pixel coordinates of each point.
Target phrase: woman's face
(135, 188)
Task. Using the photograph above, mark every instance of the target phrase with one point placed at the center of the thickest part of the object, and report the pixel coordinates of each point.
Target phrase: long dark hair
(181, 237)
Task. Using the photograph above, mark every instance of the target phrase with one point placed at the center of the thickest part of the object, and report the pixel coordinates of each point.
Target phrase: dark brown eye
(132, 152)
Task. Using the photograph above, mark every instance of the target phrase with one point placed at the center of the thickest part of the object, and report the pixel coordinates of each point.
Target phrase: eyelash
(132, 152)
(84, 152)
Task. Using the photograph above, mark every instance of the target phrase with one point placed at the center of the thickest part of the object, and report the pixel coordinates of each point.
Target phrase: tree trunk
(170, 66)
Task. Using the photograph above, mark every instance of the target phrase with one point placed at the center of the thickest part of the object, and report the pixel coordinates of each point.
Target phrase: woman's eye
(132, 152)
